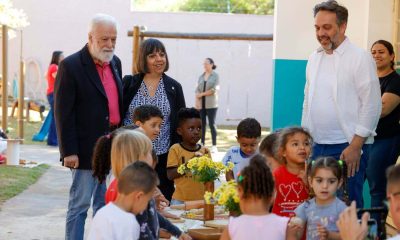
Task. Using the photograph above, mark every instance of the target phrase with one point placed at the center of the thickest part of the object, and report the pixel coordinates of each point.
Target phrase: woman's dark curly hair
(256, 179)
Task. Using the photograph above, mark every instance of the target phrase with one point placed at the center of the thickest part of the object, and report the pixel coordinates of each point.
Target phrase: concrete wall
(294, 41)
(244, 67)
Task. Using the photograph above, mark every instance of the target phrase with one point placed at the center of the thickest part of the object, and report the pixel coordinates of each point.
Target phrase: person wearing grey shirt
(207, 100)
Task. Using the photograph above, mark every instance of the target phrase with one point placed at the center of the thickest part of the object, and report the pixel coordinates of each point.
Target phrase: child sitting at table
(149, 118)
(129, 146)
(117, 220)
(248, 137)
(256, 193)
(189, 128)
(267, 148)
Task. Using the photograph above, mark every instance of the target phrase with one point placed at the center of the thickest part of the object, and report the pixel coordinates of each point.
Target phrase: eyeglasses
(391, 196)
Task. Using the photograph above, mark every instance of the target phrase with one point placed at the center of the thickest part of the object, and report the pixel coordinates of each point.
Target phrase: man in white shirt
(342, 100)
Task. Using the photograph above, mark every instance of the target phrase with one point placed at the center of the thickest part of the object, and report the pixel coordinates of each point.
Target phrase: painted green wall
(288, 92)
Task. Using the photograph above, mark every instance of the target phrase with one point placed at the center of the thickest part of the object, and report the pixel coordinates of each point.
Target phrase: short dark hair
(334, 7)
(187, 113)
(393, 175)
(268, 143)
(55, 58)
(138, 176)
(143, 113)
(147, 47)
(389, 47)
(249, 128)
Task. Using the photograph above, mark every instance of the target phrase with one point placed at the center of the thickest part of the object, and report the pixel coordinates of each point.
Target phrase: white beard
(105, 55)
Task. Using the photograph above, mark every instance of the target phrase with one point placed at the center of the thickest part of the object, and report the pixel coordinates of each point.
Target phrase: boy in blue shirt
(248, 137)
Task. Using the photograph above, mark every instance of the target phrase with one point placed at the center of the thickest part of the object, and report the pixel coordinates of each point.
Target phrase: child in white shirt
(117, 220)
(248, 137)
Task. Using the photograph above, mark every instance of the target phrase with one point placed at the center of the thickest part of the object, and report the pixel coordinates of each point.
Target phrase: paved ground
(39, 212)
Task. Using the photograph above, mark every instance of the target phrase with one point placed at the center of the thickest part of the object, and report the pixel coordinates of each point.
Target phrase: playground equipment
(4, 100)
(30, 105)
(44, 130)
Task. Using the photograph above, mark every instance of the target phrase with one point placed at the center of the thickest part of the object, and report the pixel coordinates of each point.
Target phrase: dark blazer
(81, 105)
(174, 92)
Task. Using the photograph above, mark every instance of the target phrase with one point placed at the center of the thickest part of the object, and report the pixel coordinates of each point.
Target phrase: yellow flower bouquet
(226, 195)
(204, 169)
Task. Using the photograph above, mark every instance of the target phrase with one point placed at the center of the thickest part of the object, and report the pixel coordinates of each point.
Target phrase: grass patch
(30, 128)
(15, 179)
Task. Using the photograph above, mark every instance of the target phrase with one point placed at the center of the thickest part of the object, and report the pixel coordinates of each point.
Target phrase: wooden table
(197, 224)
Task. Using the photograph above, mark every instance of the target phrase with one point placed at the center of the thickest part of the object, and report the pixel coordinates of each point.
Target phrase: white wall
(294, 34)
(244, 67)
(380, 21)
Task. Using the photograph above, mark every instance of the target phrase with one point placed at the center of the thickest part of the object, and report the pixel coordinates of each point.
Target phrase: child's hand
(185, 236)
(198, 154)
(323, 233)
(294, 228)
(161, 201)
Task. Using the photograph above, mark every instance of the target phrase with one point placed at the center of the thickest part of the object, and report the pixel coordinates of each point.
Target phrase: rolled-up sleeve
(369, 93)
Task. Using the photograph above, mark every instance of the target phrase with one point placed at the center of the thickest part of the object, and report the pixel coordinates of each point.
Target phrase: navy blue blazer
(81, 105)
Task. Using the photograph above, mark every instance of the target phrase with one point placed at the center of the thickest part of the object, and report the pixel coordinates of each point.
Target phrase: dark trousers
(166, 186)
(52, 135)
(384, 153)
(211, 113)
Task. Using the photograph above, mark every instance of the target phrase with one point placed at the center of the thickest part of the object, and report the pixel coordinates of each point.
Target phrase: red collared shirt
(107, 79)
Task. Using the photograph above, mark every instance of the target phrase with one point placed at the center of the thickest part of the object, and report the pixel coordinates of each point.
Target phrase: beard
(105, 54)
(332, 42)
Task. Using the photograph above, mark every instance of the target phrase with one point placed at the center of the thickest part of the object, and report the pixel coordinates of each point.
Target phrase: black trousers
(211, 113)
(166, 186)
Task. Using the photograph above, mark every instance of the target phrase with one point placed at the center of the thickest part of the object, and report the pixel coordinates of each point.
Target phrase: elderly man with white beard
(88, 102)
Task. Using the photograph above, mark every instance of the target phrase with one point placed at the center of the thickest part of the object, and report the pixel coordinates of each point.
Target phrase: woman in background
(207, 96)
(386, 147)
(51, 76)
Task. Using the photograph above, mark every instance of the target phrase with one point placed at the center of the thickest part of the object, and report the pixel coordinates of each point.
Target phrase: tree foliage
(12, 17)
(260, 7)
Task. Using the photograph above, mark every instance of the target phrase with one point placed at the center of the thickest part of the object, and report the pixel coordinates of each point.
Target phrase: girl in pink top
(256, 193)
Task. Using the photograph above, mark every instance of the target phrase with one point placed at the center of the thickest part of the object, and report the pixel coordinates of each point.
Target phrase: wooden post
(136, 33)
(141, 35)
(4, 99)
(21, 96)
(138, 37)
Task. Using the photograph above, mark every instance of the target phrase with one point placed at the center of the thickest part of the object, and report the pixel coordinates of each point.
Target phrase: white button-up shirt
(356, 92)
